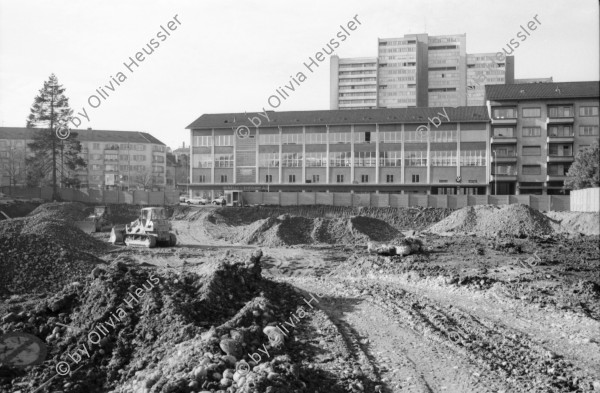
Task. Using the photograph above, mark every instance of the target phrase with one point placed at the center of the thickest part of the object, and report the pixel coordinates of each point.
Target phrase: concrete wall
(324, 198)
(97, 196)
(540, 202)
(586, 200)
(307, 198)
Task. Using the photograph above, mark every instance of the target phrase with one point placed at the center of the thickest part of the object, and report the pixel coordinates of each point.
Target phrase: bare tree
(145, 179)
(15, 168)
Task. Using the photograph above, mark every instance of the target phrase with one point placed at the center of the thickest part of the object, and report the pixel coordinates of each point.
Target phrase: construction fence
(136, 197)
(586, 200)
(540, 202)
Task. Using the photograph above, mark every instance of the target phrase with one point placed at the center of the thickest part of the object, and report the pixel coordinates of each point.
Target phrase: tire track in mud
(439, 347)
(404, 359)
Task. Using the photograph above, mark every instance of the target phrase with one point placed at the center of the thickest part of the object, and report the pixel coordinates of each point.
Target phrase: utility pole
(495, 173)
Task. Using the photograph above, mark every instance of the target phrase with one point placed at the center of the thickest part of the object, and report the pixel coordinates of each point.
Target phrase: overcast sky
(230, 56)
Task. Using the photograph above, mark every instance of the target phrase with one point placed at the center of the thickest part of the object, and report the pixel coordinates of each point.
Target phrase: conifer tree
(55, 149)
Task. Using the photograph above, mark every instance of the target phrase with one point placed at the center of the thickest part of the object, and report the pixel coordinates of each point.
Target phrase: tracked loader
(151, 229)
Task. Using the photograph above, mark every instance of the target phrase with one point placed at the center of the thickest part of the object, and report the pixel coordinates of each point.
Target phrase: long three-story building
(408, 150)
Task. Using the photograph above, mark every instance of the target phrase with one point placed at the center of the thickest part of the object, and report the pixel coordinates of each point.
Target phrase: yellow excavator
(151, 229)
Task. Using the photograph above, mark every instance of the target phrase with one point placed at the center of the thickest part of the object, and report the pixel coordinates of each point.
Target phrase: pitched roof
(543, 91)
(345, 116)
(85, 135)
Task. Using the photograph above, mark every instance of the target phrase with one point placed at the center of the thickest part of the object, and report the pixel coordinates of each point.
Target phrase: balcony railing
(504, 154)
(504, 172)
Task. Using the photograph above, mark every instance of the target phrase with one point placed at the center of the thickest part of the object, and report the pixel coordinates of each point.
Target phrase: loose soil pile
(489, 220)
(287, 230)
(413, 218)
(587, 223)
(164, 331)
(43, 251)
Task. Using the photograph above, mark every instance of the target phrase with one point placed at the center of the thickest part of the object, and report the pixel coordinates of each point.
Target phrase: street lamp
(268, 174)
(495, 172)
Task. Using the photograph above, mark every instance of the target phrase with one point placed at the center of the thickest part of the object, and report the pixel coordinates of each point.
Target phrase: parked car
(182, 198)
(219, 201)
(196, 201)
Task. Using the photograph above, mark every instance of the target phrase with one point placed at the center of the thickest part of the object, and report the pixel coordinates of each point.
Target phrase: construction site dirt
(495, 299)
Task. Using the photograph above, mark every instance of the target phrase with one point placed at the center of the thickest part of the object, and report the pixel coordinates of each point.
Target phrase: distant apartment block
(115, 159)
(417, 70)
(484, 69)
(537, 130)
(353, 83)
(446, 72)
(401, 81)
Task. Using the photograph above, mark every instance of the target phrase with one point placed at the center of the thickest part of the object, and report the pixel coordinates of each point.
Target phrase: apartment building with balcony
(417, 70)
(369, 150)
(115, 159)
(353, 83)
(536, 131)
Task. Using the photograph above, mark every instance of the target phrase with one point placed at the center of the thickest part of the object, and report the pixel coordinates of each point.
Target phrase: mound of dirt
(132, 329)
(587, 223)
(287, 230)
(489, 220)
(43, 252)
(413, 218)
(68, 211)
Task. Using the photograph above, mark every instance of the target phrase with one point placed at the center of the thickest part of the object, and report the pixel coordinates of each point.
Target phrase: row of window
(553, 131)
(361, 159)
(553, 111)
(366, 72)
(357, 65)
(100, 178)
(367, 79)
(359, 137)
(385, 136)
(126, 168)
(560, 169)
(363, 94)
(554, 150)
(125, 146)
(205, 161)
(219, 140)
(124, 157)
(339, 178)
(138, 168)
(15, 143)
